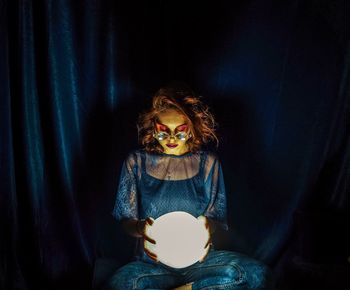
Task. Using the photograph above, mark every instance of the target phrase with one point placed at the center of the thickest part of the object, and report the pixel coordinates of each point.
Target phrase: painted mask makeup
(172, 132)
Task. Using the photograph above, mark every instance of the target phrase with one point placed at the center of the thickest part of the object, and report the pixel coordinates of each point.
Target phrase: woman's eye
(181, 135)
(162, 135)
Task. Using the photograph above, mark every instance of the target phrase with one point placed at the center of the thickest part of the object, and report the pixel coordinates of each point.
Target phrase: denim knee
(124, 277)
(233, 273)
(119, 281)
(219, 276)
(260, 277)
(255, 274)
(139, 275)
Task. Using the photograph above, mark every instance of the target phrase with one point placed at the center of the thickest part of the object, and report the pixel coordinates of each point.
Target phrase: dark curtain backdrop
(74, 76)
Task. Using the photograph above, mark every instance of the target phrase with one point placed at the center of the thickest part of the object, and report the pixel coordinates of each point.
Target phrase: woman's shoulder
(133, 156)
(135, 152)
(208, 154)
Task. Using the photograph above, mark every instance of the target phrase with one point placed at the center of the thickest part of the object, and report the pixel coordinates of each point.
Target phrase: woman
(172, 173)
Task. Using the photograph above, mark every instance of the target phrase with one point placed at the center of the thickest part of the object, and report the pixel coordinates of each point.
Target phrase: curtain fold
(74, 76)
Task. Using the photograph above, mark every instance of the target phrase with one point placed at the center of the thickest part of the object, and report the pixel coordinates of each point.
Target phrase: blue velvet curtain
(74, 76)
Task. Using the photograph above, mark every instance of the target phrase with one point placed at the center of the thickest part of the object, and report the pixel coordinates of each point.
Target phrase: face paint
(172, 122)
(161, 128)
(182, 128)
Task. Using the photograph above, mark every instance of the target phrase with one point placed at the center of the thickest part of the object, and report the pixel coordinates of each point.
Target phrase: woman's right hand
(143, 228)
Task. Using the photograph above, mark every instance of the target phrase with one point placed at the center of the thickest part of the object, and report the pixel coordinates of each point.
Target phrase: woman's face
(172, 122)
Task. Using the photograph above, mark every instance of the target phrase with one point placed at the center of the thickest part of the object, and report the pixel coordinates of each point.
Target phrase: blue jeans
(219, 270)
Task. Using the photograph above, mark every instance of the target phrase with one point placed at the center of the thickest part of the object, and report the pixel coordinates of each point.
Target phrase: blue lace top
(152, 184)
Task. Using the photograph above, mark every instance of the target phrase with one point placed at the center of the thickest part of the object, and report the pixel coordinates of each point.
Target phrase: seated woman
(172, 173)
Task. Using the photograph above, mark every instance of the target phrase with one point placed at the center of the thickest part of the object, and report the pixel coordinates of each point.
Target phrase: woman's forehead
(171, 119)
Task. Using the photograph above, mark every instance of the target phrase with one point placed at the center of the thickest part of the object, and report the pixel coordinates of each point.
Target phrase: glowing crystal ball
(180, 239)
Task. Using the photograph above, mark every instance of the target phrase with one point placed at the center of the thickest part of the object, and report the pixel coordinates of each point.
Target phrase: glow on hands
(205, 221)
(145, 226)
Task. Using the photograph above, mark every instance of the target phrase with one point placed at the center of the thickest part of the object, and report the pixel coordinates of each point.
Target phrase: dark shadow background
(76, 74)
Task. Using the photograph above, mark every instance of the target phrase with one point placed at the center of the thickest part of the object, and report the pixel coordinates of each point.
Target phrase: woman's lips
(171, 145)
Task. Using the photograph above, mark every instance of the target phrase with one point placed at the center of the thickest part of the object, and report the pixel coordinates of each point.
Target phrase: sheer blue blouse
(152, 184)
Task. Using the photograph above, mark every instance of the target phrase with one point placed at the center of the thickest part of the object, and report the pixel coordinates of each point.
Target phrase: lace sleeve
(215, 187)
(126, 198)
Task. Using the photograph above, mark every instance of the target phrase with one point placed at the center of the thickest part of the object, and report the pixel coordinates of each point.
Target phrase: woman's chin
(178, 150)
(174, 151)
(171, 151)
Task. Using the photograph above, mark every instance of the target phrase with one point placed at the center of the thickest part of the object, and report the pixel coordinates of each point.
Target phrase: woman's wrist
(139, 227)
(211, 225)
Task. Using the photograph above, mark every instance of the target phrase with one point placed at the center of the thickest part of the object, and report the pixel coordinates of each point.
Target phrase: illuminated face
(172, 131)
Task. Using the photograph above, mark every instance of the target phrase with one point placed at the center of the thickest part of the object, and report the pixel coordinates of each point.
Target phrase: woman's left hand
(206, 223)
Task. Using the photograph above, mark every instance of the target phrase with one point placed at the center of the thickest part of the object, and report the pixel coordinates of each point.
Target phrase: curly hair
(200, 120)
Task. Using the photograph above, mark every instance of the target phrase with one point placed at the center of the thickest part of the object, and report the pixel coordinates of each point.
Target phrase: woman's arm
(131, 227)
(214, 187)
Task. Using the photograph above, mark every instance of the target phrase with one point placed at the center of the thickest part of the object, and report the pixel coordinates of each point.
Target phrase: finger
(150, 221)
(206, 223)
(151, 255)
(147, 238)
(202, 259)
(209, 243)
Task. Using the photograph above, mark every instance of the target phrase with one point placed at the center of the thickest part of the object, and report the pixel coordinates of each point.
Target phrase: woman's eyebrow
(183, 125)
(168, 127)
(159, 124)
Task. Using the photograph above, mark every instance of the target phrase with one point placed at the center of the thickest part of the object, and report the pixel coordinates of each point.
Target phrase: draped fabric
(74, 76)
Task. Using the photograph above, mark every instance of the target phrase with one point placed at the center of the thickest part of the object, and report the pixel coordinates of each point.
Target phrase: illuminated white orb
(180, 239)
